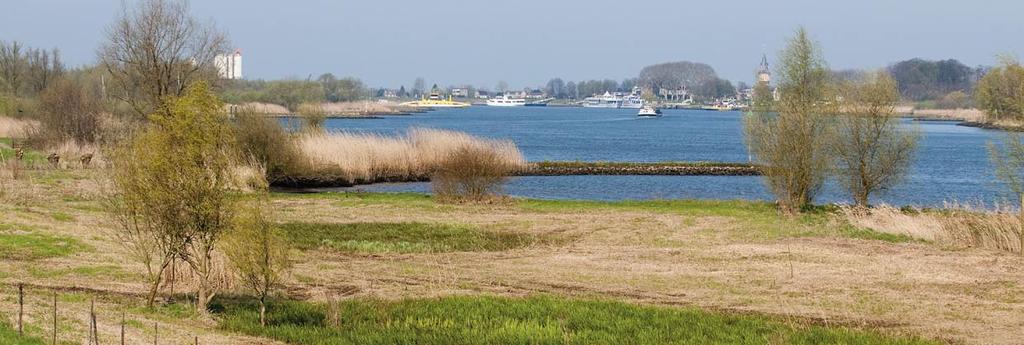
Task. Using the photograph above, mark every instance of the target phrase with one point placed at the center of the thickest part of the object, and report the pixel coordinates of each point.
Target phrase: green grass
(106, 271)
(34, 246)
(533, 320)
(9, 336)
(400, 237)
(755, 219)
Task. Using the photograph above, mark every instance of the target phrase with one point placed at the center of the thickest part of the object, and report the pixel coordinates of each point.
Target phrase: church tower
(764, 75)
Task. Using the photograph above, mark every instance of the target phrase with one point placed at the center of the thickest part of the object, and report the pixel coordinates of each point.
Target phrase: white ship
(616, 100)
(504, 101)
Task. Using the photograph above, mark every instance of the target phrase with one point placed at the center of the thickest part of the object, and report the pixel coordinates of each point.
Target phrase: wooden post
(156, 333)
(122, 328)
(94, 328)
(55, 318)
(21, 308)
(92, 307)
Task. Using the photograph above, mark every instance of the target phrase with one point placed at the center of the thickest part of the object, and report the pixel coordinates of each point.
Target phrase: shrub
(313, 117)
(262, 138)
(69, 112)
(1001, 92)
(471, 173)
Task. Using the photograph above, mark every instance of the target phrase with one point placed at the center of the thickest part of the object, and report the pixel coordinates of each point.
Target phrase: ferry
(616, 100)
(649, 111)
(505, 101)
(435, 101)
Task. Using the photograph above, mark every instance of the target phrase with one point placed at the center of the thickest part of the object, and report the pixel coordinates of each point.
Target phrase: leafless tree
(12, 66)
(156, 49)
(43, 68)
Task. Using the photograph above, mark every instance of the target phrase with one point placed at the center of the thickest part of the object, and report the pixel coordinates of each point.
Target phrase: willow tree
(872, 150)
(790, 135)
(1001, 92)
(173, 181)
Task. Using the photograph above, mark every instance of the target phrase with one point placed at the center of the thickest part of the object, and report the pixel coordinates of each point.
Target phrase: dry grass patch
(960, 226)
(364, 157)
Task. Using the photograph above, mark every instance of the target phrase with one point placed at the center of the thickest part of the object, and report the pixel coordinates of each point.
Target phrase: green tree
(257, 250)
(1001, 92)
(792, 142)
(872, 151)
(173, 181)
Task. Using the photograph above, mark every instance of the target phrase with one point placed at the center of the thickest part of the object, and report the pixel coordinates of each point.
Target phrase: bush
(265, 140)
(1001, 92)
(69, 112)
(470, 173)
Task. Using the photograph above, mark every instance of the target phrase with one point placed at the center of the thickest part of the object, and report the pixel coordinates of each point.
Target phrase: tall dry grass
(365, 157)
(16, 128)
(956, 225)
(970, 115)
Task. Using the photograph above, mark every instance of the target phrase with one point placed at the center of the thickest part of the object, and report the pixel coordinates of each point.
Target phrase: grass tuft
(35, 246)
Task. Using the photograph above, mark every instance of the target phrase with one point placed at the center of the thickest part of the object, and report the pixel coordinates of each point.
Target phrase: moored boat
(505, 101)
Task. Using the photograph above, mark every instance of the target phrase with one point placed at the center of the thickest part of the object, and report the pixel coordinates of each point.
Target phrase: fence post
(156, 333)
(55, 318)
(21, 308)
(122, 328)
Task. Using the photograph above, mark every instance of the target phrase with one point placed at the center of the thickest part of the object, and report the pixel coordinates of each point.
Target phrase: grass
(400, 237)
(33, 246)
(9, 336)
(757, 219)
(532, 320)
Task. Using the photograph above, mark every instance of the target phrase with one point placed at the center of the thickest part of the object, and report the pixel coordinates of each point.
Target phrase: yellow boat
(435, 101)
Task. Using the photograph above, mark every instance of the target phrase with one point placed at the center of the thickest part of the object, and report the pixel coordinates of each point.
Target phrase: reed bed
(365, 108)
(969, 115)
(956, 225)
(366, 157)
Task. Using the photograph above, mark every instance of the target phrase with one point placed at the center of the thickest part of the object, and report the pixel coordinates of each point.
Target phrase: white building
(229, 66)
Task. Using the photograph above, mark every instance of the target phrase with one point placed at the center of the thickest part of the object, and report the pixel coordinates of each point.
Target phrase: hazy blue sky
(525, 42)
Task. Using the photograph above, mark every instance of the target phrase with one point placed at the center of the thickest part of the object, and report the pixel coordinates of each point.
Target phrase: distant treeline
(948, 83)
(292, 93)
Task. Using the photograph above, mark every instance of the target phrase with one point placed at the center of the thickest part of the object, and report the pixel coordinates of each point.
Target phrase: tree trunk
(155, 287)
(263, 312)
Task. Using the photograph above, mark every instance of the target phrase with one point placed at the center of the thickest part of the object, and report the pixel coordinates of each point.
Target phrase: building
(229, 66)
(674, 95)
(482, 94)
(535, 94)
(460, 92)
(764, 74)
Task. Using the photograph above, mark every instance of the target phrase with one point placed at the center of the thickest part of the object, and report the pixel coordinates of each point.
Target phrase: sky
(527, 42)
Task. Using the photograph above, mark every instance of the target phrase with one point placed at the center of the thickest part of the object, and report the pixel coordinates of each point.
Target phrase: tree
(555, 88)
(172, 181)
(341, 90)
(792, 142)
(401, 92)
(12, 67)
(257, 250)
(921, 80)
(1009, 162)
(872, 151)
(697, 77)
(42, 68)
(418, 87)
(501, 87)
(156, 49)
(70, 112)
(1001, 92)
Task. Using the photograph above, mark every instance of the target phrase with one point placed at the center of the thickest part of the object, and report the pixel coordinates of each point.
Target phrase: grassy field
(549, 268)
(9, 336)
(532, 320)
(401, 237)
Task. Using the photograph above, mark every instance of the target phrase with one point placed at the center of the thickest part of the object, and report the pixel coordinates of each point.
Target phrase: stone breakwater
(547, 169)
(668, 169)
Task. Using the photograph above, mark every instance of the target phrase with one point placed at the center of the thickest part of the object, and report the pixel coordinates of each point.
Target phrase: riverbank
(358, 109)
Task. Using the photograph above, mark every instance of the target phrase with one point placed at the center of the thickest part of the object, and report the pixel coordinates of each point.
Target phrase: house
(482, 94)
(535, 94)
(460, 92)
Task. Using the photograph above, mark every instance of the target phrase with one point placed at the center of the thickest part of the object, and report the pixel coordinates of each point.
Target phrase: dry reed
(956, 225)
(970, 115)
(16, 128)
(365, 157)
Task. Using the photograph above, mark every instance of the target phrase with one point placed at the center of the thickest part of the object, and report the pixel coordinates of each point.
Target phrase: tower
(764, 74)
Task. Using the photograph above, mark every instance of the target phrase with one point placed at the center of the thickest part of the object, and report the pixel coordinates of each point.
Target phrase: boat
(604, 101)
(616, 100)
(435, 101)
(649, 111)
(505, 101)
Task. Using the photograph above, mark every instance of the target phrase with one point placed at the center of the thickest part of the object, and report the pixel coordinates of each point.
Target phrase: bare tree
(156, 49)
(790, 136)
(42, 68)
(69, 112)
(872, 151)
(12, 66)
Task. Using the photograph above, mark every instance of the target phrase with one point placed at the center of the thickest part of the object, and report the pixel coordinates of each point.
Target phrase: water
(951, 163)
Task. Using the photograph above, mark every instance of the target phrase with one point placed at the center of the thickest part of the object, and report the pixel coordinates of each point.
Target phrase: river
(951, 163)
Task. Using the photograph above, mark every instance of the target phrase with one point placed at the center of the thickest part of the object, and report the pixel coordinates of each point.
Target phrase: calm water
(951, 162)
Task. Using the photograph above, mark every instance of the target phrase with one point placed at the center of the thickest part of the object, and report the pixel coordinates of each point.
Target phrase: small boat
(505, 101)
(649, 111)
